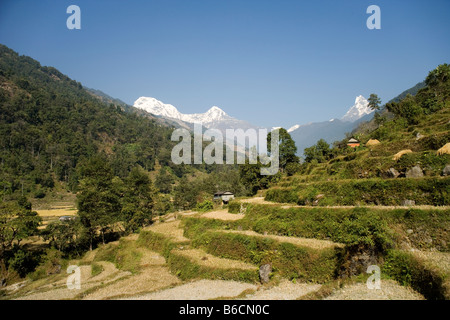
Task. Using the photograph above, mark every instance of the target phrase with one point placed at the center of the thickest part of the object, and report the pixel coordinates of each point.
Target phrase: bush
(205, 206)
(234, 207)
(24, 262)
(426, 191)
(39, 194)
(289, 260)
(96, 269)
(50, 263)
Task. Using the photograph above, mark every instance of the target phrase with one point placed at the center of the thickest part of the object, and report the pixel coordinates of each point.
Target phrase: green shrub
(24, 262)
(186, 269)
(287, 259)
(234, 207)
(194, 226)
(107, 252)
(205, 206)
(39, 194)
(424, 191)
(96, 269)
(155, 241)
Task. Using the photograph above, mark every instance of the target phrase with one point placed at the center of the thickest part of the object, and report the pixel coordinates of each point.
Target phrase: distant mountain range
(214, 118)
(304, 135)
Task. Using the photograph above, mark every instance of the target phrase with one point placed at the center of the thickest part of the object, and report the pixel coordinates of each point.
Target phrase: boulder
(446, 171)
(392, 173)
(317, 199)
(408, 203)
(414, 172)
(264, 272)
(54, 269)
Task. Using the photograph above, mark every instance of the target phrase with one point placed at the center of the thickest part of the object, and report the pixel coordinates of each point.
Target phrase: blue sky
(272, 63)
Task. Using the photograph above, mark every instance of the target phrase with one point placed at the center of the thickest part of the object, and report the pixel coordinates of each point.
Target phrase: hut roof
(398, 155)
(372, 142)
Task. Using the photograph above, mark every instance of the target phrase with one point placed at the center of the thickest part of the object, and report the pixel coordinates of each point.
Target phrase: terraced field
(217, 255)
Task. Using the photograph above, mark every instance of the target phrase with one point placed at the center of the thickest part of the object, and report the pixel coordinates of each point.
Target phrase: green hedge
(234, 207)
(424, 191)
(357, 226)
(288, 260)
(186, 269)
(351, 226)
(193, 226)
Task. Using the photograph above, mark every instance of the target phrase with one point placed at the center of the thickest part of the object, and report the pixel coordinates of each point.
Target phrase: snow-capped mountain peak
(358, 110)
(215, 113)
(293, 128)
(159, 108)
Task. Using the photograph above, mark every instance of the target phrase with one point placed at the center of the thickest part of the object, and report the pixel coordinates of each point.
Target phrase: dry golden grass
(285, 290)
(154, 275)
(257, 200)
(57, 289)
(398, 155)
(222, 215)
(65, 211)
(390, 290)
(200, 290)
(444, 150)
(171, 229)
(304, 242)
(434, 259)
(204, 259)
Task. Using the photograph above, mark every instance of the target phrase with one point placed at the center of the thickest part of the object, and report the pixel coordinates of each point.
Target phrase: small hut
(225, 196)
(353, 143)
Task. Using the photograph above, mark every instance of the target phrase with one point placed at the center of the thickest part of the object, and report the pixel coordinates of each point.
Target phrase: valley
(91, 184)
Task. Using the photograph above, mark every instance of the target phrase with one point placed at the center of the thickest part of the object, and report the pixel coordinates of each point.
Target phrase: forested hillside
(49, 123)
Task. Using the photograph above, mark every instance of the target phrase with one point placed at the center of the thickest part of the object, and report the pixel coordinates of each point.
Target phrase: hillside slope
(48, 123)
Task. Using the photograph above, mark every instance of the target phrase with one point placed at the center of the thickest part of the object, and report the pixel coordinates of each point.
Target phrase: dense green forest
(57, 136)
(49, 124)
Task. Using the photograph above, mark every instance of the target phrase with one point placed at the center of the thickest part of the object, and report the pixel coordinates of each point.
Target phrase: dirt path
(200, 290)
(304, 242)
(390, 290)
(58, 290)
(285, 290)
(202, 258)
(169, 229)
(222, 215)
(154, 275)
